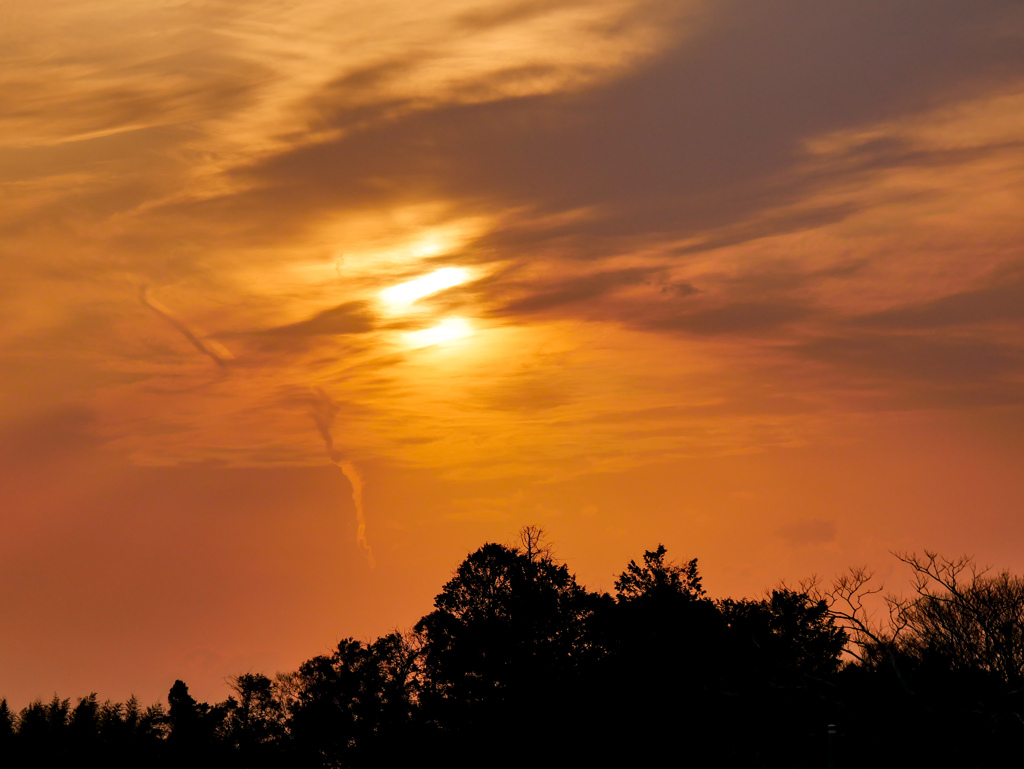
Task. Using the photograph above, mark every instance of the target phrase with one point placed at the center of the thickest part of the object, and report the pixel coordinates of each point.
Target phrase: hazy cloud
(58, 432)
(733, 187)
(810, 532)
(571, 290)
(1000, 301)
(736, 318)
(700, 137)
(916, 370)
(348, 318)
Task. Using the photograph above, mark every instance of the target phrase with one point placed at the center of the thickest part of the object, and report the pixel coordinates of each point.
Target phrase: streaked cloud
(348, 318)
(726, 186)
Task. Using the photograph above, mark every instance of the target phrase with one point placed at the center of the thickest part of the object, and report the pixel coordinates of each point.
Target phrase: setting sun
(447, 330)
(404, 294)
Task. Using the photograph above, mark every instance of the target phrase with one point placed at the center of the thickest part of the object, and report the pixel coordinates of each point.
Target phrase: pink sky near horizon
(745, 279)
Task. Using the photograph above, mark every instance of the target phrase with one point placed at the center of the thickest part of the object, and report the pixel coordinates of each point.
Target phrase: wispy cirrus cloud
(736, 186)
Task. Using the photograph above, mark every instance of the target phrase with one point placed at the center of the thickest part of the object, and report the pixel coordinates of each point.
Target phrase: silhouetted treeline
(519, 665)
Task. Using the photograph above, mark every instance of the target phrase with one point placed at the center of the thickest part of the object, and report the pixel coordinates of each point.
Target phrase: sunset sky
(745, 278)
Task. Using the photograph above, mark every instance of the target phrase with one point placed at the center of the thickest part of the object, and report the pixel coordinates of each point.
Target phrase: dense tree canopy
(505, 616)
(516, 649)
(656, 578)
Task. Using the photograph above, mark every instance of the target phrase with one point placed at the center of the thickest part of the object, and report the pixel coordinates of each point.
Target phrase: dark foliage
(519, 664)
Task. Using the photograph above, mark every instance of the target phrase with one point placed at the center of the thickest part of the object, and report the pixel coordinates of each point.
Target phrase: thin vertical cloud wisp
(324, 411)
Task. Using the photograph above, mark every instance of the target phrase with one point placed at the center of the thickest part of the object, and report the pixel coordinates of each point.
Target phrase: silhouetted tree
(516, 653)
(943, 664)
(394, 677)
(504, 615)
(789, 632)
(196, 729)
(43, 731)
(324, 723)
(8, 720)
(84, 727)
(504, 646)
(656, 579)
(662, 638)
(961, 618)
(355, 702)
(254, 725)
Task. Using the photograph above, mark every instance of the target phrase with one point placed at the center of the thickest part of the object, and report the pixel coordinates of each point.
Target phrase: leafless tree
(848, 599)
(957, 615)
(532, 544)
(964, 616)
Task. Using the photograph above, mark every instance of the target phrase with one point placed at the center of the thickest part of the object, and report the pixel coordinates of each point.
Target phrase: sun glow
(404, 294)
(429, 247)
(447, 330)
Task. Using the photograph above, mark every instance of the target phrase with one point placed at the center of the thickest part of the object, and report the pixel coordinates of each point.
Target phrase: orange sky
(744, 278)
